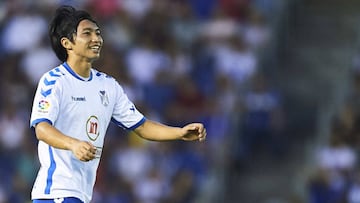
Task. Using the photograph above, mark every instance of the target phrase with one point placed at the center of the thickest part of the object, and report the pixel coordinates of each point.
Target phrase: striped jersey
(79, 108)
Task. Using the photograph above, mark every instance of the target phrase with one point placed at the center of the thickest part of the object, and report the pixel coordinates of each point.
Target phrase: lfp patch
(43, 106)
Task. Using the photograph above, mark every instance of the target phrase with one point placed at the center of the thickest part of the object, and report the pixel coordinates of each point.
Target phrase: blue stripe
(43, 201)
(57, 69)
(51, 171)
(67, 67)
(46, 93)
(47, 82)
(35, 122)
(138, 124)
(132, 127)
(53, 74)
(66, 200)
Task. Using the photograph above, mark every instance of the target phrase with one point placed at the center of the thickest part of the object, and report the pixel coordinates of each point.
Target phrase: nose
(97, 38)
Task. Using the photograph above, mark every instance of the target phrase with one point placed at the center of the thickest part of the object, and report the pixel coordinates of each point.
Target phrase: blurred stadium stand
(316, 45)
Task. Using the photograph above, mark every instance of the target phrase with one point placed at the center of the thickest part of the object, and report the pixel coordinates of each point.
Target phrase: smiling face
(87, 42)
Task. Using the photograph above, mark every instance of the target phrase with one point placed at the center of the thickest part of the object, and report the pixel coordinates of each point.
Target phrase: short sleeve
(46, 100)
(125, 113)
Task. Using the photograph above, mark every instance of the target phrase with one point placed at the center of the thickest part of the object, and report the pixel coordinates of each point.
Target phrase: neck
(81, 68)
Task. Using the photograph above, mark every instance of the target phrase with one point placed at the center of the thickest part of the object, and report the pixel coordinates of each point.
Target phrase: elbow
(40, 130)
(38, 133)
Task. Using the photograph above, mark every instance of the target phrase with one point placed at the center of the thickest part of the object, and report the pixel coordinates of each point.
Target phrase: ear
(66, 43)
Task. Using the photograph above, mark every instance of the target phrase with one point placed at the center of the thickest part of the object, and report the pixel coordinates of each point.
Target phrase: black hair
(64, 24)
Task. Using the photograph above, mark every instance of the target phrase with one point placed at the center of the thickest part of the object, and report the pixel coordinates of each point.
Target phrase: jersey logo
(92, 128)
(132, 109)
(78, 98)
(104, 97)
(43, 106)
(59, 200)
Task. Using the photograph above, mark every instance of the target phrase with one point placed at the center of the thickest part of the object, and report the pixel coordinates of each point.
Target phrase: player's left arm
(155, 131)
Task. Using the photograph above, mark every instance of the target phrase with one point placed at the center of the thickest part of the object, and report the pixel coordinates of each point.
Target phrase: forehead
(87, 24)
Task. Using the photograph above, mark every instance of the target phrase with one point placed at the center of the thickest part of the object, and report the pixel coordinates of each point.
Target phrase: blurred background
(276, 83)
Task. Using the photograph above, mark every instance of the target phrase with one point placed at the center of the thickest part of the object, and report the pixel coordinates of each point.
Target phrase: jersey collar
(67, 67)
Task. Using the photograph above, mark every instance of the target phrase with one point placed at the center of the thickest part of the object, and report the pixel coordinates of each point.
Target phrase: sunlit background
(276, 83)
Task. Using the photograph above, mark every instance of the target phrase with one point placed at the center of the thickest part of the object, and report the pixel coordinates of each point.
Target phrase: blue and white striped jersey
(80, 108)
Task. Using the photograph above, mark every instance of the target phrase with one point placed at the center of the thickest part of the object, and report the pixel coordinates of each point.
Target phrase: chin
(93, 59)
(96, 57)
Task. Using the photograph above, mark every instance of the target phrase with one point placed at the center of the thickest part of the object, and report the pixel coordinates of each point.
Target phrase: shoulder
(50, 80)
(107, 80)
(101, 75)
(52, 76)
(104, 78)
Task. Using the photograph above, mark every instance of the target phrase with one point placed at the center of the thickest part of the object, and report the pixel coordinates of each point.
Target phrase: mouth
(96, 48)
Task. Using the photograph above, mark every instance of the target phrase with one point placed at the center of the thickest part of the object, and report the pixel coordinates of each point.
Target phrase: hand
(194, 131)
(84, 151)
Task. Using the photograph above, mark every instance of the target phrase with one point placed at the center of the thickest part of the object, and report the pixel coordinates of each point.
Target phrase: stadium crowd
(178, 61)
(335, 177)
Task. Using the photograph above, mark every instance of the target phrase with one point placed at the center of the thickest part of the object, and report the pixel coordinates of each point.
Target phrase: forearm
(52, 136)
(152, 130)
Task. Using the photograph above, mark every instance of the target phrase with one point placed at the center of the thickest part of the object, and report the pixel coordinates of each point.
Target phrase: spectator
(263, 119)
(17, 27)
(136, 9)
(334, 165)
(256, 31)
(236, 61)
(144, 61)
(37, 61)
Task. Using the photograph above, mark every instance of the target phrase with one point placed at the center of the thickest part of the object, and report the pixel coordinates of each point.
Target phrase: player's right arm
(45, 111)
(47, 133)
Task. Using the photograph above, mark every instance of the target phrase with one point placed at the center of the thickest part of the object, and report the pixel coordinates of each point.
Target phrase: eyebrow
(90, 29)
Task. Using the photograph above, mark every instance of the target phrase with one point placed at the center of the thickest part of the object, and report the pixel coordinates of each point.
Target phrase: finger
(199, 127)
(83, 158)
(89, 145)
(202, 136)
(202, 131)
(88, 157)
(193, 127)
(93, 150)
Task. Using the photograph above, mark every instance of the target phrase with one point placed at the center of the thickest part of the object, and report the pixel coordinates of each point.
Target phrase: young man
(72, 108)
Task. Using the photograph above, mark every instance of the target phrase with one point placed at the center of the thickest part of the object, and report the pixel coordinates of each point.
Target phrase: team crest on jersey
(43, 106)
(92, 128)
(104, 97)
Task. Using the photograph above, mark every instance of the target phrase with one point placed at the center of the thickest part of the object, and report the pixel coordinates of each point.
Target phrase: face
(87, 41)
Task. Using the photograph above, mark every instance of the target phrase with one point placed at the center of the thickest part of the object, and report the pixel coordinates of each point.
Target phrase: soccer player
(72, 108)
